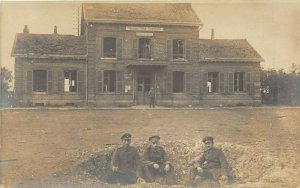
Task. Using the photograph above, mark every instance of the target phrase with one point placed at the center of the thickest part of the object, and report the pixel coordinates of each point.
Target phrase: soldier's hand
(167, 168)
(199, 169)
(156, 166)
(115, 168)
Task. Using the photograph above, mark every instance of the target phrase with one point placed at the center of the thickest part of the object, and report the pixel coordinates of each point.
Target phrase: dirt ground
(42, 147)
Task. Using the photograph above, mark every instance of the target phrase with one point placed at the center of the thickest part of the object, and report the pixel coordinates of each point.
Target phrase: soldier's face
(126, 142)
(208, 145)
(154, 142)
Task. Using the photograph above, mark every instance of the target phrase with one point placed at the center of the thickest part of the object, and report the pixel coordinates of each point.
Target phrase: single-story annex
(124, 50)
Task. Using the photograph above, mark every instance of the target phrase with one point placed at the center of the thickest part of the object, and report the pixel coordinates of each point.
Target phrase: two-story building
(126, 49)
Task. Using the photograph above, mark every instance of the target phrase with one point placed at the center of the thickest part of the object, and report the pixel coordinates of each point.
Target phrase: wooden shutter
(120, 81)
(249, 88)
(204, 83)
(168, 82)
(135, 48)
(222, 82)
(29, 82)
(188, 82)
(80, 82)
(196, 82)
(188, 49)
(128, 80)
(245, 82)
(99, 81)
(119, 48)
(230, 82)
(60, 81)
(99, 47)
(49, 82)
(169, 50)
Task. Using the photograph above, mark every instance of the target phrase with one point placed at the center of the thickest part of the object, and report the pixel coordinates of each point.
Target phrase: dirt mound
(246, 163)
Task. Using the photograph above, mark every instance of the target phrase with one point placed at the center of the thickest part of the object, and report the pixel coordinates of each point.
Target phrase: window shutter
(230, 82)
(80, 81)
(49, 82)
(169, 50)
(60, 81)
(168, 82)
(188, 82)
(204, 83)
(195, 82)
(99, 81)
(128, 81)
(29, 78)
(119, 48)
(245, 82)
(135, 49)
(187, 49)
(120, 80)
(222, 82)
(99, 47)
(249, 88)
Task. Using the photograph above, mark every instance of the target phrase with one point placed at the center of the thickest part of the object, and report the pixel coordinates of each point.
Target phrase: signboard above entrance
(129, 28)
(144, 34)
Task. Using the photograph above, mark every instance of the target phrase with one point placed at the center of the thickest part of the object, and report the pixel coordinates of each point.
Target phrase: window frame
(70, 85)
(103, 49)
(238, 84)
(150, 49)
(216, 83)
(115, 81)
(183, 49)
(34, 80)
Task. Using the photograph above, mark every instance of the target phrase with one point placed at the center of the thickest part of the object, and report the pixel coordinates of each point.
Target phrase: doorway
(144, 84)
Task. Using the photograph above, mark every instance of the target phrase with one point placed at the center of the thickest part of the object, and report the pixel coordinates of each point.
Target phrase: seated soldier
(156, 163)
(211, 168)
(124, 163)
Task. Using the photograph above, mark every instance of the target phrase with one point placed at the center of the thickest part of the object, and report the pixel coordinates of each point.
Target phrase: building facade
(125, 50)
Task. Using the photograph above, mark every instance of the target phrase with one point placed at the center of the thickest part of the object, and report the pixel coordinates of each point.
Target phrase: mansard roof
(142, 13)
(49, 45)
(227, 50)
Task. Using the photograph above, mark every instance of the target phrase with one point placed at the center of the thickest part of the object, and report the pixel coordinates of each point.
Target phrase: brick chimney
(55, 30)
(212, 34)
(26, 30)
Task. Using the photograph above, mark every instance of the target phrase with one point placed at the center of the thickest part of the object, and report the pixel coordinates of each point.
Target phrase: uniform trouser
(150, 174)
(122, 178)
(152, 101)
(211, 175)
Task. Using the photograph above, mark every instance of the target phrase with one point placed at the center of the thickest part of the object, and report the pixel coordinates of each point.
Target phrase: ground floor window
(213, 82)
(109, 81)
(178, 81)
(70, 81)
(40, 80)
(239, 81)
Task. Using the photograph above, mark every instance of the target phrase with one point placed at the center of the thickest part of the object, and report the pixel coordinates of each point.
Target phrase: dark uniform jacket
(126, 159)
(155, 155)
(214, 158)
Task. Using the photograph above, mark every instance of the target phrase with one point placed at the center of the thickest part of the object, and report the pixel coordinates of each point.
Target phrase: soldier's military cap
(154, 137)
(126, 136)
(208, 138)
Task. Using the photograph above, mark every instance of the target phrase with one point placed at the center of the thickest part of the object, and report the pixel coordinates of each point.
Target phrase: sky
(272, 27)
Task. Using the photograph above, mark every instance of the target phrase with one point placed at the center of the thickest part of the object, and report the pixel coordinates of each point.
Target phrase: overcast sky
(271, 27)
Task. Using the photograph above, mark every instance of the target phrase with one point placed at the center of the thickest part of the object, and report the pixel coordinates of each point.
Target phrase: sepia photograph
(108, 94)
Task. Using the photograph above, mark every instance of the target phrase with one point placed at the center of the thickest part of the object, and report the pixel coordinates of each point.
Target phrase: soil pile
(246, 163)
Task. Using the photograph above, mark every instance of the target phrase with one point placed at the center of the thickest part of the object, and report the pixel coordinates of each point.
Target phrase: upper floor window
(239, 81)
(213, 82)
(70, 81)
(40, 80)
(144, 48)
(109, 81)
(109, 47)
(178, 46)
(178, 80)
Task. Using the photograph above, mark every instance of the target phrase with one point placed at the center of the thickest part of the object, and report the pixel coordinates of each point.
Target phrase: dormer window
(109, 47)
(178, 47)
(144, 48)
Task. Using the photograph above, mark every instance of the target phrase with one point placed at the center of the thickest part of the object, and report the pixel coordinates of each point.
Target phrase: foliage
(6, 95)
(281, 87)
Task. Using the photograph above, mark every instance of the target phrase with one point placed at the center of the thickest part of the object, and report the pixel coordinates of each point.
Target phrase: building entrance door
(144, 84)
